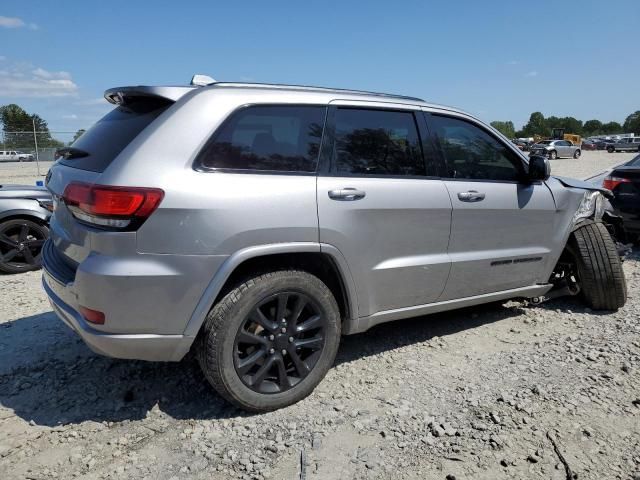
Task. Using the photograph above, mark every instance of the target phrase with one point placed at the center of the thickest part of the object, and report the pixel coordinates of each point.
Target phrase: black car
(624, 182)
(24, 217)
(601, 144)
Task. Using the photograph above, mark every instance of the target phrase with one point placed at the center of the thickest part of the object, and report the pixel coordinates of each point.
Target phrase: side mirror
(539, 168)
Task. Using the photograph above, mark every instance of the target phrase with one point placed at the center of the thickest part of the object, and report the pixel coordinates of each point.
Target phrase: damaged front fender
(574, 183)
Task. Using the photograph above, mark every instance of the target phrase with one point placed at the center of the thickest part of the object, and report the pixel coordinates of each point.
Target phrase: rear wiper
(71, 152)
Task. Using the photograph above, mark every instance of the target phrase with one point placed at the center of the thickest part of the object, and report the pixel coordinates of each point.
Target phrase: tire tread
(207, 349)
(600, 268)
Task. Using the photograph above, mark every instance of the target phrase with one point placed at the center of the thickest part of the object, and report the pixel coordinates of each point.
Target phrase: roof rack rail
(317, 89)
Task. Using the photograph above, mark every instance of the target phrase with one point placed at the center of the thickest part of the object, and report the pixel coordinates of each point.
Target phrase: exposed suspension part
(564, 279)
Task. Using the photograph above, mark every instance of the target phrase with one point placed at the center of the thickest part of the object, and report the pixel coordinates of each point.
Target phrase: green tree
(18, 126)
(536, 125)
(611, 128)
(570, 124)
(592, 127)
(77, 135)
(632, 123)
(506, 128)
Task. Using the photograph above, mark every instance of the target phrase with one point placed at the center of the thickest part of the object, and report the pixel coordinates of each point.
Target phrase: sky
(499, 60)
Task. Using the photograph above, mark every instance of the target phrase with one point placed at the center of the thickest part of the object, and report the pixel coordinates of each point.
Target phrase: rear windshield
(111, 134)
(635, 162)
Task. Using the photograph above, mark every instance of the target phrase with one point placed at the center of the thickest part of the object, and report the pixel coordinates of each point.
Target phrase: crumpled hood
(575, 183)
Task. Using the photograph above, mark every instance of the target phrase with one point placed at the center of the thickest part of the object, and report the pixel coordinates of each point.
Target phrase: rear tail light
(612, 182)
(121, 208)
(92, 316)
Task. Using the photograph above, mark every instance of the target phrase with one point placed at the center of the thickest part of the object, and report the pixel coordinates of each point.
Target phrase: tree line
(18, 127)
(539, 125)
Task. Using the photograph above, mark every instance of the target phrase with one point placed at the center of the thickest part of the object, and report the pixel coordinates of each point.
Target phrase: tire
(599, 268)
(21, 242)
(220, 344)
(553, 155)
(611, 149)
(577, 154)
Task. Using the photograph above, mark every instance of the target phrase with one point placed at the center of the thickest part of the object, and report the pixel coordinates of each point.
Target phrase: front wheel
(611, 149)
(271, 340)
(599, 268)
(577, 154)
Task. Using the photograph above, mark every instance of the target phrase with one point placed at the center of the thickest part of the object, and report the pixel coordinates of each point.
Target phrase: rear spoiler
(123, 95)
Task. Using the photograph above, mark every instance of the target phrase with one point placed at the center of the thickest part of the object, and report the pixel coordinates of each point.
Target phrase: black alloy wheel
(279, 342)
(21, 244)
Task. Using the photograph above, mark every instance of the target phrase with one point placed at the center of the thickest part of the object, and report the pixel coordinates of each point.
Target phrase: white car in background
(15, 156)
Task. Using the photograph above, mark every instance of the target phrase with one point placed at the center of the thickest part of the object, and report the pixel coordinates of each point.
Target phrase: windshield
(545, 142)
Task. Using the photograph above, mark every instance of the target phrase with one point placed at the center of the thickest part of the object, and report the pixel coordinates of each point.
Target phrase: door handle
(346, 194)
(471, 196)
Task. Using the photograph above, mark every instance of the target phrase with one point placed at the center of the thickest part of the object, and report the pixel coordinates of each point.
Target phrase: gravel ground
(503, 391)
(24, 173)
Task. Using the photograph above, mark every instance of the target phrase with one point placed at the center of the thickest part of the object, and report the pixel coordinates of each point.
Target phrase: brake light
(92, 316)
(109, 206)
(612, 182)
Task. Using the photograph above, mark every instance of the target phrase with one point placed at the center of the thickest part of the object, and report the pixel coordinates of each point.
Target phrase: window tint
(376, 142)
(112, 133)
(281, 138)
(472, 153)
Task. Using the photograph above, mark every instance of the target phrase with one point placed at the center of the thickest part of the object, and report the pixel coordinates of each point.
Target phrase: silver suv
(256, 224)
(556, 149)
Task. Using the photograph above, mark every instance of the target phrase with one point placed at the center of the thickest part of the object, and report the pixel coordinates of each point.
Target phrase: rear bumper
(151, 347)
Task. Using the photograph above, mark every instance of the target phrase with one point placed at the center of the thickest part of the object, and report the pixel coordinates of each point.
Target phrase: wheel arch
(32, 215)
(324, 261)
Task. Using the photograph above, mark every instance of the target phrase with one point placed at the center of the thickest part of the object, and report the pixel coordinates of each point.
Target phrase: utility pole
(35, 141)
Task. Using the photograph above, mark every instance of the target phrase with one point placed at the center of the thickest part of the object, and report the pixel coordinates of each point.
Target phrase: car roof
(331, 93)
(303, 92)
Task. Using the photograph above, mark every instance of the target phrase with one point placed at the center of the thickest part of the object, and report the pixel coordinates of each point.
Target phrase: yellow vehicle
(558, 134)
(575, 139)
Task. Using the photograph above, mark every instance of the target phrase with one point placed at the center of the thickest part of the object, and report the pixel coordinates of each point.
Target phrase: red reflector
(612, 182)
(111, 201)
(92, 316)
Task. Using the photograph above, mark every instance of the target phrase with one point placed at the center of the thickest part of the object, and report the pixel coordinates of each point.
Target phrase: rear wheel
(576, 154)
(553, 155)
(599, 268)
(21, 244)
(271, 340)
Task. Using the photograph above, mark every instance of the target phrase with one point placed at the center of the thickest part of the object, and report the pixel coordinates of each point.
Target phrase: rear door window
(377, 142)
(278, 138)
(104, 141)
